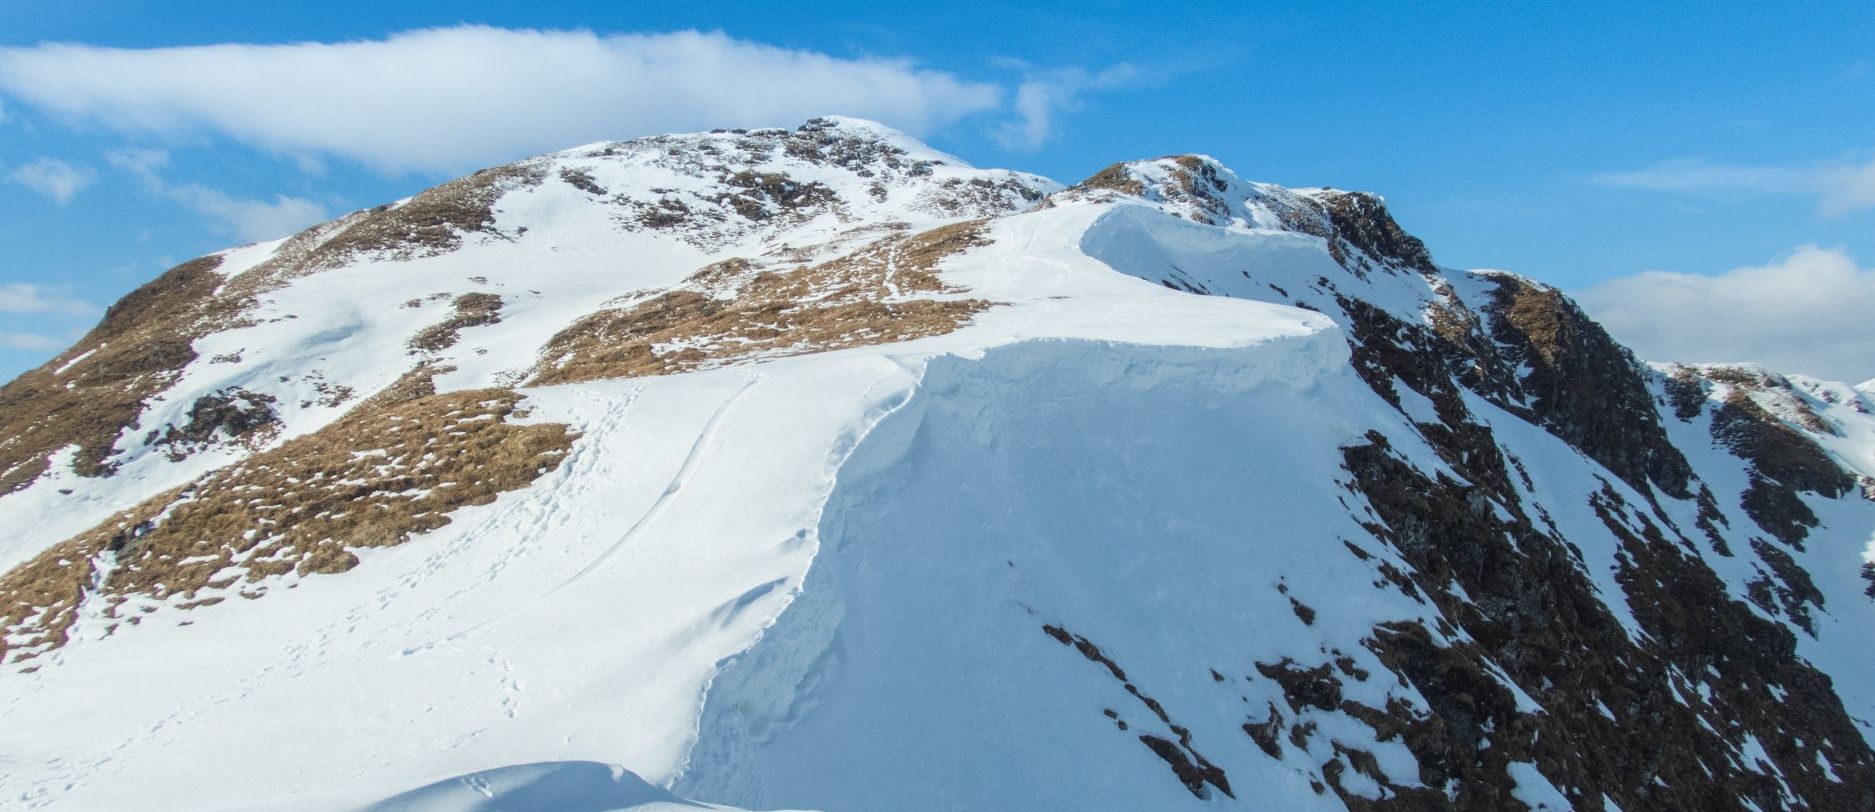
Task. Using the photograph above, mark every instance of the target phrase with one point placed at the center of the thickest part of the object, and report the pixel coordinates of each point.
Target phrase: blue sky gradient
(1578, 144)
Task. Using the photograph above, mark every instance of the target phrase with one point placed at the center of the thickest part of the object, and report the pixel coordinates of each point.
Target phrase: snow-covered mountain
(817, 469)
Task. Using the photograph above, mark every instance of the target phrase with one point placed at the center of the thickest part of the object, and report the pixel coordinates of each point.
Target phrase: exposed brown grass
(472, 310)
(1117, 177)
(386, 471)
(135, 351)
(583, 181)
(147, 338)
(419, 382)
(431, 223)
(734, 311)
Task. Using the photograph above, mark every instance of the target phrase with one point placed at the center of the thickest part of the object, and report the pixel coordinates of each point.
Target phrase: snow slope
(1110, 544)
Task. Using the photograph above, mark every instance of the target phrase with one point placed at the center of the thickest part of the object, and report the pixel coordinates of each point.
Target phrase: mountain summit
(815, 468)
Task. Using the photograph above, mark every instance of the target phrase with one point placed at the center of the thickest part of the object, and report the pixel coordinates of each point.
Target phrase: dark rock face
(1584, 387)
(1649, 722)
(1362, 221)
(1537, 618)
(1783, 462)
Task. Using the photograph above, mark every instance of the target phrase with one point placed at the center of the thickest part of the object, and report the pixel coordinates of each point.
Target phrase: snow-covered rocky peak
(1356, 225)
(816, 468)
(725, 186)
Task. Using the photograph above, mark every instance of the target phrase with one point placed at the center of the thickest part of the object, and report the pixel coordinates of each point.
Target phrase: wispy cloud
(1045, 94)
(1806, 312)
(24, 297)
(140, 162)
(29, 341)
(248, 219)
(451, 98)
(1838, 188)
(56, 179)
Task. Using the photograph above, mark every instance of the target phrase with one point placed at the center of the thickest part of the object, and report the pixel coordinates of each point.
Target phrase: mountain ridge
(1546, 524)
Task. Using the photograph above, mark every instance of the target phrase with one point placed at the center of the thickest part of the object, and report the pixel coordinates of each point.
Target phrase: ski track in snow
(706, 438)
(559, 497)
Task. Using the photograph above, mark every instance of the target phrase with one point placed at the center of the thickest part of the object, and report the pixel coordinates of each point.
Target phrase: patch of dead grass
(386, 471)
(736, 311)
(472, 310)
(431, 223)
(89, 394)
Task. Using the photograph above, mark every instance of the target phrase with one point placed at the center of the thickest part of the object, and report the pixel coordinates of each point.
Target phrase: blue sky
(1705, 182)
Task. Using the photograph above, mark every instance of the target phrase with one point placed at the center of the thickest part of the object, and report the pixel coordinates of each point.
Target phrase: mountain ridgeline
(816, 468)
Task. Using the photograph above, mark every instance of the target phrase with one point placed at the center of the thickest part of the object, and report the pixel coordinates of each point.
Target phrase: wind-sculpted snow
(1129, 496)
(564, 786)
(854, 477)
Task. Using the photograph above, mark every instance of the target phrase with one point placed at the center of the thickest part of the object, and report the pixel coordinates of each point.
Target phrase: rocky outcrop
(1361, 220)
(1583, 387)
(230, 415)
(1193, 770)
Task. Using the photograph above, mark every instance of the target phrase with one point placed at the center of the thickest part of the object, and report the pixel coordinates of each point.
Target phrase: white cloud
(55, 179)
(251, 220)
(140, 162)
(23, 297)
(1848, 188)
(247, 219)
(1839, 188)
(1042, 95)
(1809, 312)
(29, 341)
(449, 98)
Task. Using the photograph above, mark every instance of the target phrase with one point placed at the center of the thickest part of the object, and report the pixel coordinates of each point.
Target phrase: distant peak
(1201, 188)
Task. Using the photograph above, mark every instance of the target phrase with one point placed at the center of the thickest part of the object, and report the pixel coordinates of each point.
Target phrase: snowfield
(986, 569)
